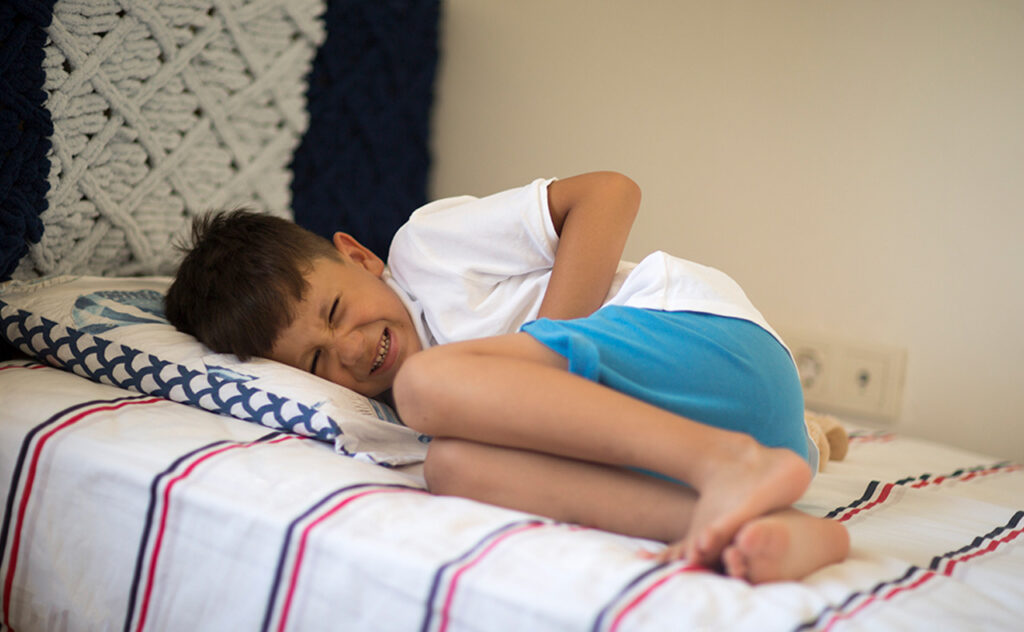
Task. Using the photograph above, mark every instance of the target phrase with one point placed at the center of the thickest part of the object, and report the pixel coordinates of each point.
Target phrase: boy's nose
(350, 346)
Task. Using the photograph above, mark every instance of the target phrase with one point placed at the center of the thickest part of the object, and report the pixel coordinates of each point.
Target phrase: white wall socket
(851, 378)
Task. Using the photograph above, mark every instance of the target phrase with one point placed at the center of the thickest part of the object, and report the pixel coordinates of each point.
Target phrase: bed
(125, 510)
(149, 484)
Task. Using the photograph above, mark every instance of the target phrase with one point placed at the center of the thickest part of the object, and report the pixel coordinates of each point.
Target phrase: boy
(554, 378)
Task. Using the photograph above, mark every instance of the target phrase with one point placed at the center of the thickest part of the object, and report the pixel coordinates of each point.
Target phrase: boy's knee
(415, 390)
(443, 466)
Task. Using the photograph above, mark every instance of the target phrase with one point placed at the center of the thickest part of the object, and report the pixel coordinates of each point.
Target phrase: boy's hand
(593, 214)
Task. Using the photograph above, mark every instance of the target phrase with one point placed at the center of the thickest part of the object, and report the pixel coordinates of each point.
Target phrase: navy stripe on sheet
(877, 492)
(23, 364)
(290, 559)
(450, 572)
(941, 566)
(155, 527)
(858, 600)
(637, 591)
(148, 524)
(23, 479)
(981, 545)
(599, 622)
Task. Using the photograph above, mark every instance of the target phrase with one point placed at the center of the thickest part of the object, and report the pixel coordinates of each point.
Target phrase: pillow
(113, 330)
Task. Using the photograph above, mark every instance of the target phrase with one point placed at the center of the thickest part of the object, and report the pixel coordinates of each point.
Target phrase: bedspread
(127, 511)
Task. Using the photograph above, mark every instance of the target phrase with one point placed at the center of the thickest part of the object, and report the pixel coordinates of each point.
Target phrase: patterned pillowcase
(113, 331)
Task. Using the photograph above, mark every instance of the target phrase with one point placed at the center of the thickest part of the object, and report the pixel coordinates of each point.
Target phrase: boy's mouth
(382, 350)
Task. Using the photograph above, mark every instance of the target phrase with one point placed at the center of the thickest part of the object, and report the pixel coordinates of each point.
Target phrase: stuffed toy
(828, 435)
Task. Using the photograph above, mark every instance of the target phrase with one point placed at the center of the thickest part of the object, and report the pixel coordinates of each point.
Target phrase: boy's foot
(755, 483)
(786, 545)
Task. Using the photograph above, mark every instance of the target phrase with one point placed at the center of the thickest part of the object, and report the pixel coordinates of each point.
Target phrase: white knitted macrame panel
(162, 110)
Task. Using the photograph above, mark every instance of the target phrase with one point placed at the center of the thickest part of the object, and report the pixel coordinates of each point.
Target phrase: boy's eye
(334, 308)
(330, 323)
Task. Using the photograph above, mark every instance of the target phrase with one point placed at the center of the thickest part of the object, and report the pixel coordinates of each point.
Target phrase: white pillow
(113, 330)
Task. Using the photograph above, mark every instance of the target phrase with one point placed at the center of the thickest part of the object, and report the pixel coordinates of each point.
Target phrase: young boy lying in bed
(554, 378)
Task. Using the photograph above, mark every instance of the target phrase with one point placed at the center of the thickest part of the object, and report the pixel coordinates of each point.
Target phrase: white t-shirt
(469, 267)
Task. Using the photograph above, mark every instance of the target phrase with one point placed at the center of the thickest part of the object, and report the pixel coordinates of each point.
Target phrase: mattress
(128, 511)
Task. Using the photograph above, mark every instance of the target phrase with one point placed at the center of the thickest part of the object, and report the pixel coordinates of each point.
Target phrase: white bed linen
(124, 511)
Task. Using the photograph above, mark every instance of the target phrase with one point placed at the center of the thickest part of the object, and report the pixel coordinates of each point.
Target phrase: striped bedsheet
(125, 511)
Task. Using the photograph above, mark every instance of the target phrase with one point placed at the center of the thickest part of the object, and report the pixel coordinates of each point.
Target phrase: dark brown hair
(242, 275)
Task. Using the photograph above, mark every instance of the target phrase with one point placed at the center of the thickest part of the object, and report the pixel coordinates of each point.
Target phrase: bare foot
(756, 482)
(785, 545)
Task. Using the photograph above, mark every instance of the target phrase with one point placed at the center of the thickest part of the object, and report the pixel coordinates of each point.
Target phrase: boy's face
(350, 328)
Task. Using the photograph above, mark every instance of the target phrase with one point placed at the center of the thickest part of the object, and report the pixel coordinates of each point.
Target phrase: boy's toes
(735, 563)
(706, 549)
(673, 552)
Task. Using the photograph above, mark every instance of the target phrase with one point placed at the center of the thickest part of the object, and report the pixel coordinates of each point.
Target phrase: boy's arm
(592, 214)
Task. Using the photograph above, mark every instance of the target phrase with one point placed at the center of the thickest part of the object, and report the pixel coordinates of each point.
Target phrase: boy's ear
(357, 253)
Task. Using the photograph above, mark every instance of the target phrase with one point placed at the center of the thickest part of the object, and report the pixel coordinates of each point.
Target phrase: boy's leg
(513, 391)
(600, 496)
(782, 545)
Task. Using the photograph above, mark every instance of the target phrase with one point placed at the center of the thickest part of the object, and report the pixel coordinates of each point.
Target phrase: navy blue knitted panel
(362, 166)
(25, 128)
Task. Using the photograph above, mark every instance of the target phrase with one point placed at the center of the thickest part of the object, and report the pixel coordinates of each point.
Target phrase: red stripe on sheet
(966, 476)
(165, 510)
(31, 367)
(962, 477)
(297, 565)
(884, 597)
(875, 437)
(992, 546)
(882, 497)
(636, 601)
(30, 482)
(923, 575)
(450, 597)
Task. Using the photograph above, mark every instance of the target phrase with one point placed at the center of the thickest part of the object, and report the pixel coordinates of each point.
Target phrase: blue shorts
(725, 372)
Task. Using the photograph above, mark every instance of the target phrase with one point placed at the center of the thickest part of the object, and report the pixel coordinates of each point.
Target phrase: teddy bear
(829, 435)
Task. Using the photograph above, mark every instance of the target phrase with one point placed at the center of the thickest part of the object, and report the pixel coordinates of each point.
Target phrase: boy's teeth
(382, 350)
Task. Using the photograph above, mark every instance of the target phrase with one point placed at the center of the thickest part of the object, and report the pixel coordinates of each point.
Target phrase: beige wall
(857, 166)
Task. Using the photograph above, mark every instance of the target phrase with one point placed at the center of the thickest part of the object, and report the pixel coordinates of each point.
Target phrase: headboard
(122, 119)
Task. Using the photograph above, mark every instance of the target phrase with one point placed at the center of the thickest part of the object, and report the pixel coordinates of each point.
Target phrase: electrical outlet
(852, 378)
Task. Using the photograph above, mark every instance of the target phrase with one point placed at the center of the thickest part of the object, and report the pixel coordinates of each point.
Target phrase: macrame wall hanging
(25, 128)
(122, 119)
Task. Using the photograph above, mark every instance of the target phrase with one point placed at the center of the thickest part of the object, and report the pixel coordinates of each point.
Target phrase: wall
(857, 166)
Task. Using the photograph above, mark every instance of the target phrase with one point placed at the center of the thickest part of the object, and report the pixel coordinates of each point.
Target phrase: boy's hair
(241, 277)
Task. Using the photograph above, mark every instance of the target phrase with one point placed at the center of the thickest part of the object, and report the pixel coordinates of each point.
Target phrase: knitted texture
(363, 165)
(162, 110)
(25, 128)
